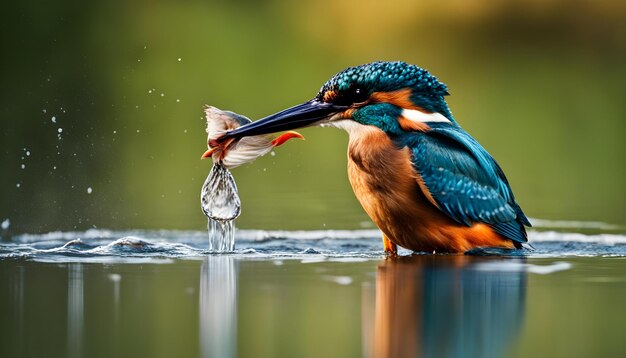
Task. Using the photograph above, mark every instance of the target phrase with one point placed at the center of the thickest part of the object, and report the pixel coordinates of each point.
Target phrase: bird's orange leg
(390, 247)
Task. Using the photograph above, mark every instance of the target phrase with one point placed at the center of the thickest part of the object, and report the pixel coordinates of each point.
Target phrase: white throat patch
(353, 128)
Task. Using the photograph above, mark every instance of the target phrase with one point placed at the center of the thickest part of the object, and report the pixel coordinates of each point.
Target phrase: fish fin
(280, 140)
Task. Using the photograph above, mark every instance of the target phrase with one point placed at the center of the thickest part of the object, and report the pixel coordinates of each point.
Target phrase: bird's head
(393, 96)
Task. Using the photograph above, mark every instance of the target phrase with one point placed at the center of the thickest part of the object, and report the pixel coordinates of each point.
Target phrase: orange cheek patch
(347, 114)
(400, 98)
(412, 126)
(329, 96)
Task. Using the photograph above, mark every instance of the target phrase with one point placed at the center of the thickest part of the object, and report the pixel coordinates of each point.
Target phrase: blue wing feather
(465, 181)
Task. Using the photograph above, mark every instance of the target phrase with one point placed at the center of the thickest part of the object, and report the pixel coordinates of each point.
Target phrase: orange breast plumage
(388, 187)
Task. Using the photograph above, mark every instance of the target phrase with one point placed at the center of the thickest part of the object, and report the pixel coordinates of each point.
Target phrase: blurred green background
(541, 84)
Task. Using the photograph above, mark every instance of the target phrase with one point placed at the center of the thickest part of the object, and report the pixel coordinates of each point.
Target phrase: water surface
(308, 294)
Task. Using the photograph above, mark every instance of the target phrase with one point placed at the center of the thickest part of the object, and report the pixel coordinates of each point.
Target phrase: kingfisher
(424, 181)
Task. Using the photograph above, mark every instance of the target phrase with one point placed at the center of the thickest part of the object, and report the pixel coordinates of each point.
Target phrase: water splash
(221, 235)
(221, 204)
(162, 246)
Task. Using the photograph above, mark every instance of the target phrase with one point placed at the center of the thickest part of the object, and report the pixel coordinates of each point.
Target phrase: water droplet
(149, 91)
(89, 190)
(179, 59)
(219, 198)
(273, 153)
(53, 119)
(54, 167)
(60, 130)
(177, 100)
(23, 166)
(5, 224)
(185, 131)
(137, 130)
(162, 94)
(44, 110)
(18, 185)
(114, 132)
(28, 153)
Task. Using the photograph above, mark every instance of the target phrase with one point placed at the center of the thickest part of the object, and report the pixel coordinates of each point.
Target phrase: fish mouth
(303, 115)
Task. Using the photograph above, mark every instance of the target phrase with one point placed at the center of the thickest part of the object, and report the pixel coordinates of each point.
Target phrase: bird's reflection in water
(218, 307)
(441, 306)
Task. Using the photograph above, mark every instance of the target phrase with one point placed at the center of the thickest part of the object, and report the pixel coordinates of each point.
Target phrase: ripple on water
(98, 245)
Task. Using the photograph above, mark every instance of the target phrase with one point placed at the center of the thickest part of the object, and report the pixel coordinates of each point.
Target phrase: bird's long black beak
(302, 115)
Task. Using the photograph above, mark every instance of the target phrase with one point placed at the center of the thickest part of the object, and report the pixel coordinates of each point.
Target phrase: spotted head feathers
(357, 84)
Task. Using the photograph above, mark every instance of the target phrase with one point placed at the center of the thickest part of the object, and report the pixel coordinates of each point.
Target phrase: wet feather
(234, 153)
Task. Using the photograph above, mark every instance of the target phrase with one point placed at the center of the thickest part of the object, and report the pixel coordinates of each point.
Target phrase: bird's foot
(391, 249)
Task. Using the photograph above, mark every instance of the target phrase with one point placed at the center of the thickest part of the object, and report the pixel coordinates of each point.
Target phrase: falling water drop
(221, 235)
(221, 204)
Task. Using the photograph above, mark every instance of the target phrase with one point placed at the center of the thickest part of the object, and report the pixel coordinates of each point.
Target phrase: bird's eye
(352, 95)
(358, 95)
